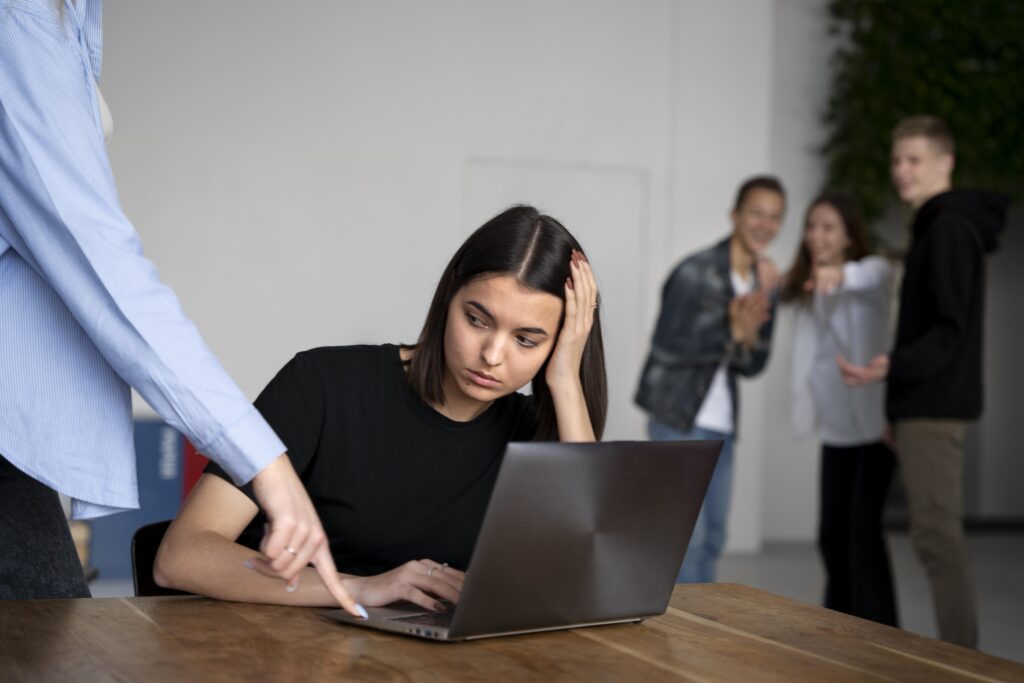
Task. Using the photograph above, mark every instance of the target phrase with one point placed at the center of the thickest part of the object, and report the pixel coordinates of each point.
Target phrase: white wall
(801, 85)
(301, 173)
(1000, 432)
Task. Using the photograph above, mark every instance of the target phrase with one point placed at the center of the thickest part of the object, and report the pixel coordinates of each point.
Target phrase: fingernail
(248, 564)
(362, 611)
(439, 607)
(290, 587)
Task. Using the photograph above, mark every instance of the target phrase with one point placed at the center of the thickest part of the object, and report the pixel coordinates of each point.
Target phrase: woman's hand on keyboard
(423, 582)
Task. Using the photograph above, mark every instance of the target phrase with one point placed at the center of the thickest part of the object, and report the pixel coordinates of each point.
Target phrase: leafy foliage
(960, 60)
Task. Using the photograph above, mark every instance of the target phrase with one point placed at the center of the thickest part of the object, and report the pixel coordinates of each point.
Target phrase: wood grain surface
(712, 632)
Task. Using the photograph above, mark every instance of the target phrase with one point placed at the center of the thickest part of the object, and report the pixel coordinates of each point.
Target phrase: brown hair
(535, 249)
(853, 222)
(926, 126)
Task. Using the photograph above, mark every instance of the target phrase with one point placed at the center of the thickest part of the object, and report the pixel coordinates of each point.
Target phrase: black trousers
(37, 555)
(854, 485)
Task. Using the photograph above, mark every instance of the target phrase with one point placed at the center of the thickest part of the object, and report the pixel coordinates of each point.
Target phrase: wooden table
(715, 632)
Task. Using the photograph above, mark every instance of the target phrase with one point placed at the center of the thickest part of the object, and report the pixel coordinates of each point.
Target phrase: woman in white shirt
(841, 298)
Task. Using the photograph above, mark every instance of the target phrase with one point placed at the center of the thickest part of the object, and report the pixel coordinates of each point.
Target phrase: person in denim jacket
(715, 323)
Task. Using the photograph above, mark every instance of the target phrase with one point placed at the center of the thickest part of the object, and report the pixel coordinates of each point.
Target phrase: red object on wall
(195, 462)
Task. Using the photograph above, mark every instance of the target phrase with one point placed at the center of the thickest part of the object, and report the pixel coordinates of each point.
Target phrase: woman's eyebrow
(483, 309)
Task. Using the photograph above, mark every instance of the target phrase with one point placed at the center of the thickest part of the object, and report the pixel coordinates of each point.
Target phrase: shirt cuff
(83, 509)
(245, 448)
(868, 273)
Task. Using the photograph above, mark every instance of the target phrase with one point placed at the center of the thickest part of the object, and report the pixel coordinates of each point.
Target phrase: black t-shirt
(392, 479)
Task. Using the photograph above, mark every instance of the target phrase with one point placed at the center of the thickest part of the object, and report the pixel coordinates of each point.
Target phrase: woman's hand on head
(581, 302)
(423, 582)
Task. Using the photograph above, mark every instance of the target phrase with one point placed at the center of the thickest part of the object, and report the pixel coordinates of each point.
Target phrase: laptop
(575, 534)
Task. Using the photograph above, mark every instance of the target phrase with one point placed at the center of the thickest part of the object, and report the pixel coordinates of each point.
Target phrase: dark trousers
(37, 555)
(854, 485)
(931, 456)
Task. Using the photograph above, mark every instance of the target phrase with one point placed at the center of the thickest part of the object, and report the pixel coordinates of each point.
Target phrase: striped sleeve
(61, 214)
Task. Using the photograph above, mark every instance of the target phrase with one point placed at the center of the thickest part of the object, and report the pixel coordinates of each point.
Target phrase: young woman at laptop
(399, 446)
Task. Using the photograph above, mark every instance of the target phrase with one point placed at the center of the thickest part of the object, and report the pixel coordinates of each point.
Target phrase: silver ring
(291, 550)
(431, 571)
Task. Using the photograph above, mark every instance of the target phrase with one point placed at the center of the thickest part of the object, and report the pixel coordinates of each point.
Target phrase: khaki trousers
(931, 461)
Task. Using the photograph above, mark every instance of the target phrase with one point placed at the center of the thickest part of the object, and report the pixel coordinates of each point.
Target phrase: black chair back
(145, 542)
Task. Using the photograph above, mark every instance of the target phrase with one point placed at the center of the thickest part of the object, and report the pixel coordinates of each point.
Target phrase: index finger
(580, 285)
(588, 272)
(586, 293)
(324, 565)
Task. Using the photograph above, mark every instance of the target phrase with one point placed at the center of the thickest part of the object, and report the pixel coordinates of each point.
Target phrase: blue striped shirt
(83, 314)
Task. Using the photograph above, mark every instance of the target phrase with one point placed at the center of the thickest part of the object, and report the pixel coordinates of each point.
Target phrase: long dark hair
(853, 222)
(534, 249)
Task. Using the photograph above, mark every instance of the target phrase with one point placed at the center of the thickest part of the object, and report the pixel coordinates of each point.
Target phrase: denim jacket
(692, 338)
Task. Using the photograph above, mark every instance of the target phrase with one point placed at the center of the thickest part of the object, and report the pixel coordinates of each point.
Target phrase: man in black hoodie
(934, 371)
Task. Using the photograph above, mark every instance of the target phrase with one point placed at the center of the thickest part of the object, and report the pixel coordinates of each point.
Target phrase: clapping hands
(767, 273)
(747, 313)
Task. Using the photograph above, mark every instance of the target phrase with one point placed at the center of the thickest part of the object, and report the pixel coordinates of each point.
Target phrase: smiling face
(498, 335)
(758, 219)
(825, 236)
(920, 169)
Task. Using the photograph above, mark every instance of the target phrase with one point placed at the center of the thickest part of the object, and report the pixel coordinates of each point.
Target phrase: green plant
(961, 60)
